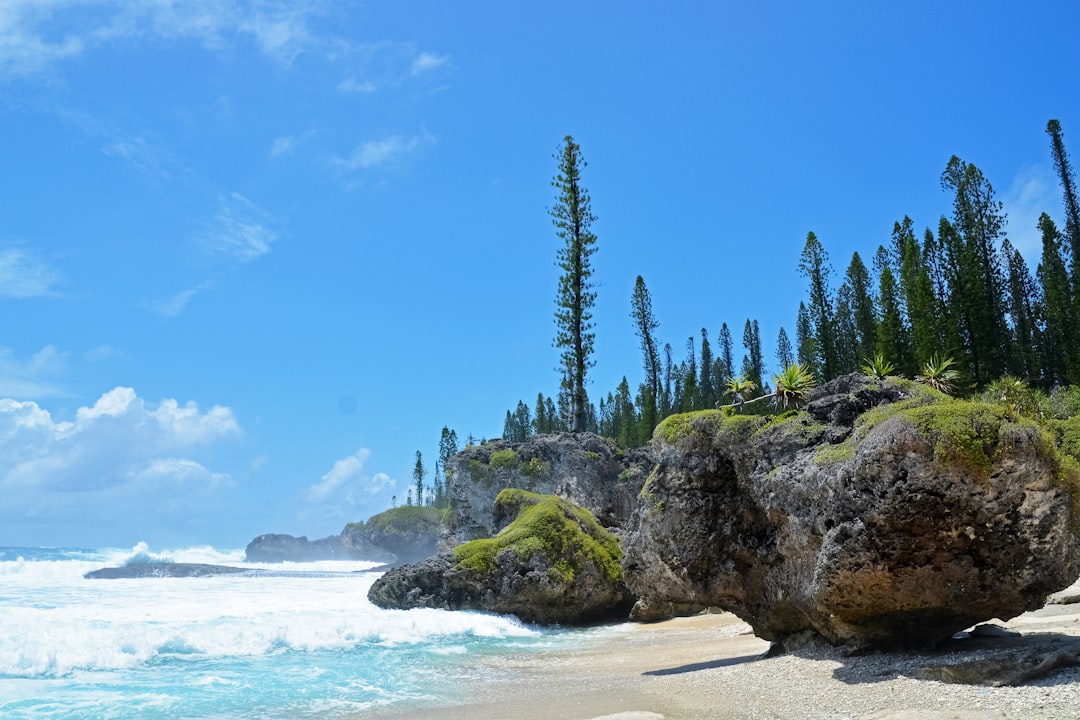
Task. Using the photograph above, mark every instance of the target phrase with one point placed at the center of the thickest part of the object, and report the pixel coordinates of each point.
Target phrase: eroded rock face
(921, 518)
(277, 547)
(583, 468)
(553, 564)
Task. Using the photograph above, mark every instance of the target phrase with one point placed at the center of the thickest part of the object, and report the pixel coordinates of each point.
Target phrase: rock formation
(553, 564)
(583, 468)
(274, 548)
(886, 514)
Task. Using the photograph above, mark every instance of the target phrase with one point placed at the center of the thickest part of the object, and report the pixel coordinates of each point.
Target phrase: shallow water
(300, 642)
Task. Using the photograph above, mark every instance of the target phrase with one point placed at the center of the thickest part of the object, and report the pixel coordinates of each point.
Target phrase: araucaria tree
(572, 217)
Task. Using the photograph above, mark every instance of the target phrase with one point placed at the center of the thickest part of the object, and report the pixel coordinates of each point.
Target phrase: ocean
(300, 641)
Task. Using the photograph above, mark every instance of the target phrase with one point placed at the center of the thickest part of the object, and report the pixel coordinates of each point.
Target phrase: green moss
(479, 471)
(706, 425)
(567, 535)
(407, 520)
(504, 459)
(592, 454)
(830, 454)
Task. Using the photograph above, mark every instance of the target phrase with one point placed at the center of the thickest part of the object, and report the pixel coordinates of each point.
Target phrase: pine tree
(785, 356)
(753, 363)
(418, 474)
(645, 326)
(667, 399)
(706, 390)
(448, 448)
(806, 343)
(688, 400)
(1059, 343)
(978, 223)
(814, 266)
(727, 356)
(1072, 203)
(1022, 304)
(572, 216)
(892, 331)
(861, 300)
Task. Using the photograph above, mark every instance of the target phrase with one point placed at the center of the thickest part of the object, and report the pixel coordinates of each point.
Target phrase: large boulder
(278, 547)
(886, 515)
(585, 469)
(552, 564)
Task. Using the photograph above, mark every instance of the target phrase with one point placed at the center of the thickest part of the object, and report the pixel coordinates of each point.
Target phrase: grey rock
(274, 548)
(160, 570)
(585, 469)
(876, 534)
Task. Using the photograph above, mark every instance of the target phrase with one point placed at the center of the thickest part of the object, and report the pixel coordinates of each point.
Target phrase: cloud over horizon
(119, 456)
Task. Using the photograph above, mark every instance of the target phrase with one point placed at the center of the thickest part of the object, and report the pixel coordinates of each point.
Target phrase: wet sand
(711, 667)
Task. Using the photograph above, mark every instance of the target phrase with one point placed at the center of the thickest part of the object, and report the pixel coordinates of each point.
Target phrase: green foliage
(939, 374)
(568, 536)
(793, 384)
(878, 367)
(830, 454)
(504, 459)
(535, 467)
(707, 426)
(479, 471)
(572, 217)
(406, 520)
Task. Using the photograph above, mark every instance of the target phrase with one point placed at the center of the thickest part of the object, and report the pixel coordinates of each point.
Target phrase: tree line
(958, 296)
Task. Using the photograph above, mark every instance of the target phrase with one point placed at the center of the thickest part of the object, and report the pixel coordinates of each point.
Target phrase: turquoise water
(301, 642)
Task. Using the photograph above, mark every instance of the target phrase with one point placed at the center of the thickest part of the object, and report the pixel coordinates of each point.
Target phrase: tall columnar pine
(706, 389)
(805, 342)
(667, 398)
(1071, 201)
(645, 326)
(753, 366)
(418, 475)
(572, 217)
(978, 225)
(846, 338)
(785, 355)
(727, 355)
(688, 400)
(892, 332)
(1022, 303)
(814, 266)
(861, 299)
(916, 292)
(1059, 343)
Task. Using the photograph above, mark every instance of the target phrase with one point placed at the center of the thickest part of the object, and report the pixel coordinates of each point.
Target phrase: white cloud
(36, 35)
(110, 458)
(173, 306)
(22, 275)
(427, 61)
(31, 378)
(282, 146)
(1033, 192)
(347, 482)
(240, 230)
(352, 85)
(380, 152)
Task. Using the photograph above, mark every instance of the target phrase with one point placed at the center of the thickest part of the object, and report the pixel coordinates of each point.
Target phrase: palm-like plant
(739, 388)
(878, 367)
(939, 374)
(793, 383)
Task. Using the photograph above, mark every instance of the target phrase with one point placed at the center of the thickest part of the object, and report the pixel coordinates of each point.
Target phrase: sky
(255, 254)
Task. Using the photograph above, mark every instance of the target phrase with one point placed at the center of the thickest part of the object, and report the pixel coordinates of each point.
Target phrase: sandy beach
(712, 667)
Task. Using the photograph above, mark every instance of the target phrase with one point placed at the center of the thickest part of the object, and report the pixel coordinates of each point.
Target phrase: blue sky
(254, 255)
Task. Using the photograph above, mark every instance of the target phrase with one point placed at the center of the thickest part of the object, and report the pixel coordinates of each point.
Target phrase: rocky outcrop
(162, 570)
(585, 469)
(884, 515)
(552, 564)
(275, 548)
(400, 535)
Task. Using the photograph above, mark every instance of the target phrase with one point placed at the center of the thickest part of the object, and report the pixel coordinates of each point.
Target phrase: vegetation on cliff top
(569, 537)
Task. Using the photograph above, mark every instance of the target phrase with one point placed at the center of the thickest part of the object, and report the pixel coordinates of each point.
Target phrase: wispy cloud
(32, 377)
(23, 275)
(426, 61)
(381, 152)
(36, 35)
(352, 85)
(347, 480)
(172, 307)
(283, 145)
(240, 230)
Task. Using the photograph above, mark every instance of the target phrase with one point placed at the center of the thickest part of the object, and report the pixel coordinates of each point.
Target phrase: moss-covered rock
(552, 564)
(409, 532)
